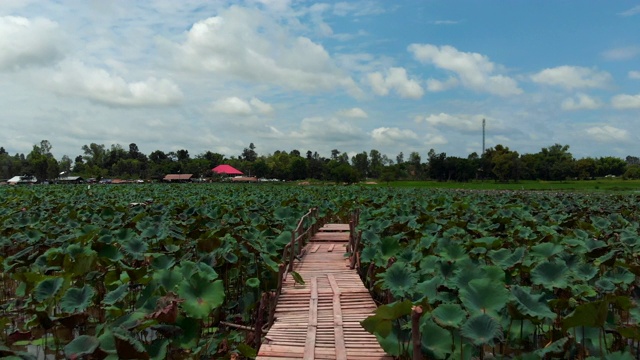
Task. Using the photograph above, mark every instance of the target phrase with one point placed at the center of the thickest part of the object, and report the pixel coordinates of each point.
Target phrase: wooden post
(273, 300)
(355, 251)
(292, 250)
(416, 312)
(264, 302)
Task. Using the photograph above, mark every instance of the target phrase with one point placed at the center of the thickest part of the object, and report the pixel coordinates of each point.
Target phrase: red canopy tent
(226, 169)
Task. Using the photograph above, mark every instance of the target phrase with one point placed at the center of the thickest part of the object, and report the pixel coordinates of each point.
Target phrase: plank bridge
(320, 319)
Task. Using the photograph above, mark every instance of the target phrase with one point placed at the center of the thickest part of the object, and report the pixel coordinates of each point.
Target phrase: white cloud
(625, 101)
(607, 133)
(581, 102)
(572, 77)
(435, 139)
(250, 45)
(622, 53)
(634, 75)
(77, 79)
(332, 129)
(260, 106)
(434, 85)
(474, 70)
(462, 122)
(25, 42)
(236, 106)
(395, 79)
(630, 12)
(385, 135)
(353, 113)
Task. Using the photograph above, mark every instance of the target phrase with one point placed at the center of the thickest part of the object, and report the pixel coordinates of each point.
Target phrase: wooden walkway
(321, 319)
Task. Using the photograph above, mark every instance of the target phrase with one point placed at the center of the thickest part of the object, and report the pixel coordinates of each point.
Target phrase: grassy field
(611, 185)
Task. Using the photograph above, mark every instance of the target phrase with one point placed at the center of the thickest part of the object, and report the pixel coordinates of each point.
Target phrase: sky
(395, 76)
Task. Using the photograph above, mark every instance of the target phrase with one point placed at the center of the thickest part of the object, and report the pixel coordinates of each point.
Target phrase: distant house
(70, 180)
(24, 179)
(177, 178)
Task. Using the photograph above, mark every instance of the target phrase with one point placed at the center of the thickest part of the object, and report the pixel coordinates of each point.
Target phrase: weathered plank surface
(321, 319)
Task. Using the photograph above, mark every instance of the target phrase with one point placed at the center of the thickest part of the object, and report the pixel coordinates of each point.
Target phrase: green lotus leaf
(529, 304)
(400, 278)
(585, 272)
(381, 322)
(454, 252)
(81, 346)
(389, 247)
(605, 285)
(436, 341)
(162, 261)
(481, 330)
(77, 299)
(201, 296)
(551, 274)
(428, 289)
(136, 247)
(253, 282)
(124, 234)
(47, 289)
(484, 296)
(592, 314)
(449, 315)
(368, 255)
(231, 257)
(116, 295)
(546, 250)
(283, 239)
(620, 275)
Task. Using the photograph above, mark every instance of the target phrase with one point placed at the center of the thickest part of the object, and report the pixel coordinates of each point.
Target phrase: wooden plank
(338, 333)
(310, 344)
(331, 247)
(315, 248)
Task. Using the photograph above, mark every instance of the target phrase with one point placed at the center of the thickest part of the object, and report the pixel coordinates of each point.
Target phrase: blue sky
(354, 76)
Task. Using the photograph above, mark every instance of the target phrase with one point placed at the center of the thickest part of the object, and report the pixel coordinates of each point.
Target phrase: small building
(24, 179)
(177, 178)
(70, 180)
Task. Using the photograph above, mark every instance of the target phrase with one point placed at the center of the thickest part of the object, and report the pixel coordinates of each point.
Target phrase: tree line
(497, 163)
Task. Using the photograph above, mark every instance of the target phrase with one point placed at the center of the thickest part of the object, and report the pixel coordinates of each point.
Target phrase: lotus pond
(513, 274)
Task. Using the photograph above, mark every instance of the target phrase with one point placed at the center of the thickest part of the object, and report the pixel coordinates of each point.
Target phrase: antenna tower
(484, 123)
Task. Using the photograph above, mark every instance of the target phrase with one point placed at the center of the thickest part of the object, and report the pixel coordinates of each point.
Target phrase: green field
(159, 270)
(615, 185)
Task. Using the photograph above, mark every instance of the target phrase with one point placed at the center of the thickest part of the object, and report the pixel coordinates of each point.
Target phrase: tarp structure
(226, 169)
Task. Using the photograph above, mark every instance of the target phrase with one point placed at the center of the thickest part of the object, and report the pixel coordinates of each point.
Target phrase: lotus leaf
(436, 341)
(81, 346)
(592, 314)
(77, 299)
(546, 250)
(46, 289)
(116, 295)
(201, 296)
(381, 322)
(253, 282)
(529, 304)
(481, 329)
(484, 296)
(400, 278)
(449, 315)
(551, 274)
